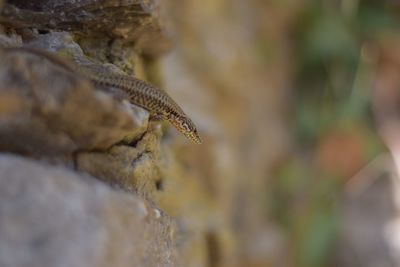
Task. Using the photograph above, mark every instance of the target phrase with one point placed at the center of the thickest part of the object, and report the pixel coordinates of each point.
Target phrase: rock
(92, 18)
(50, 216)
(44, 110)
(130, 168)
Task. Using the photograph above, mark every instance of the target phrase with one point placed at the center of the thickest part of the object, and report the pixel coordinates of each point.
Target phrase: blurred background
(297, 102)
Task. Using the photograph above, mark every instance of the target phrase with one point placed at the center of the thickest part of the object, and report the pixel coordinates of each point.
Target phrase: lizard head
(185, 125)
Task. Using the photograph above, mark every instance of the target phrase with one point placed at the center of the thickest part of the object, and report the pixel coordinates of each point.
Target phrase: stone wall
(81, 168)
(87, 180)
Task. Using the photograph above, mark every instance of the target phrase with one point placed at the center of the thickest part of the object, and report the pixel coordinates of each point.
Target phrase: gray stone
(134, 21)
(50, 216)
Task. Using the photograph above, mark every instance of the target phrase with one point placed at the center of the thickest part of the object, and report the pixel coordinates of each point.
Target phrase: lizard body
(139, 92)
(142, 94)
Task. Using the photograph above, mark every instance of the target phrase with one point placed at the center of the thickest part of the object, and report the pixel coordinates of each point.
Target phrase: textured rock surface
(131, 168)
(46, 110)
(134, 21)
(50, 216)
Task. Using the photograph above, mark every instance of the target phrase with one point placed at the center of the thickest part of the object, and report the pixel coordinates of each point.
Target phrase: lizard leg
(156, 117)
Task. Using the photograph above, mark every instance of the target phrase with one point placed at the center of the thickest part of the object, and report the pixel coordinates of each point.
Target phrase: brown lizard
(157, 102)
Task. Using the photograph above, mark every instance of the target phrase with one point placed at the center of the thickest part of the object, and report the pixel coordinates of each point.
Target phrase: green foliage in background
(330, 108)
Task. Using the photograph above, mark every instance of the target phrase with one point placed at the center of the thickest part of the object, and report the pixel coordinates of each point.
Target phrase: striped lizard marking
(139, 92)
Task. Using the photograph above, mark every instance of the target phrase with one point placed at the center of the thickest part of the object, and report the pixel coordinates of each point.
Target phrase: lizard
(159, 104)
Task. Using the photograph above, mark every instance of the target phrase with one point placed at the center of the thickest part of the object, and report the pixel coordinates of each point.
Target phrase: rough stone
(47, 111)
(130, 168)
(134, 21)
(50, 216)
